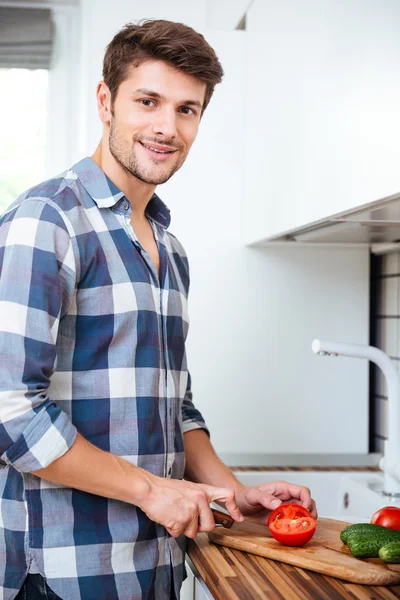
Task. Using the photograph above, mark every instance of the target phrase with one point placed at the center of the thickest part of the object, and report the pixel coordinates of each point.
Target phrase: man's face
(154, 121)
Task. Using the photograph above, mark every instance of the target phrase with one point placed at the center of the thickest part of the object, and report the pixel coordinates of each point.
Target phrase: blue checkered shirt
(92, 339)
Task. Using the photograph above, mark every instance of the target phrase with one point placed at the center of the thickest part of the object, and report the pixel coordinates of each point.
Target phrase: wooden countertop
(234, 575)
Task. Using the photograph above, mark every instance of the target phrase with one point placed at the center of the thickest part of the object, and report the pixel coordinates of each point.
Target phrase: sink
(362, 494)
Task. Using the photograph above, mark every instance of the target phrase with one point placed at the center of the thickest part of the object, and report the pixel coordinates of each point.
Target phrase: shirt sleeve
(191, 417)
(37, 284)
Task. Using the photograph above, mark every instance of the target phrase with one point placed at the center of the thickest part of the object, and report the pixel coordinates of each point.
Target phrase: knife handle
(222, 518)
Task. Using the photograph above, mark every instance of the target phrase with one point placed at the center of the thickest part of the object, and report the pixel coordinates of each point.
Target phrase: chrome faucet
(390, 461)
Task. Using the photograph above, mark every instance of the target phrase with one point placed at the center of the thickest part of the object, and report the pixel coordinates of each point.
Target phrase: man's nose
(165, 123)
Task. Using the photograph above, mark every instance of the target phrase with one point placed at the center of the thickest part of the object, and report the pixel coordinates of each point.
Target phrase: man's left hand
(256, 503)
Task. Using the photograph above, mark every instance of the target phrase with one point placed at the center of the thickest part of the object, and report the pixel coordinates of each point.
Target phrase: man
(97, 424)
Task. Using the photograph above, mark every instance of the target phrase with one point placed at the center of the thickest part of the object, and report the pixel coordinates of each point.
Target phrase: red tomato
(389, 517)
(291, 524)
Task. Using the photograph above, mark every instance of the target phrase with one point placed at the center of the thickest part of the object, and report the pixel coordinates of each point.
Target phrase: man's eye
(187, 111)
(147, 102)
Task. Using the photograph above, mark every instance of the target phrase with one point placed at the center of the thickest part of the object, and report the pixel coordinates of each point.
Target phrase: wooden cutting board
(324, 553)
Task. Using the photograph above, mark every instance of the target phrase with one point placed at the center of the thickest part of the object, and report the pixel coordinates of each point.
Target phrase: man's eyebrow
(153, 94)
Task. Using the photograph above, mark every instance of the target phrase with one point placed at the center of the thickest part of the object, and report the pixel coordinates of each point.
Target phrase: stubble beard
(131, 164)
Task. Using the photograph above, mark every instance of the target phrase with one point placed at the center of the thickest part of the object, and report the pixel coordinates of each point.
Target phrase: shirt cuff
(190, 425)
(47, 437)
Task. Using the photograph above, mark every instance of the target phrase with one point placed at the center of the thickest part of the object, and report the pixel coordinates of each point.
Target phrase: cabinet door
(187, 589)
(194, 588)
(322, 98)
(200, 591)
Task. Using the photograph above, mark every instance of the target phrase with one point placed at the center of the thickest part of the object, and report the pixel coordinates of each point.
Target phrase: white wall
(225, 15)
(254, 312)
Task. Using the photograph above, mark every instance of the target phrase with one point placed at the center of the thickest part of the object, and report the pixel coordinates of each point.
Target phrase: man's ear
(103, 102)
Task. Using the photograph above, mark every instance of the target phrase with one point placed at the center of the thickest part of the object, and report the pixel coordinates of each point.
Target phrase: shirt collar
(106, 194)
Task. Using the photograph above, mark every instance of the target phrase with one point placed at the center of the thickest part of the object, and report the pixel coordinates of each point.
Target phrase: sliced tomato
(292, 524)
(389, 517)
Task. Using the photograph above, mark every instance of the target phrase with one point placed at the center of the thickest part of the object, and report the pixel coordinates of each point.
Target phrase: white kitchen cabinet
(194, 587)
(187, 589)
(322, 117)
(201, 592)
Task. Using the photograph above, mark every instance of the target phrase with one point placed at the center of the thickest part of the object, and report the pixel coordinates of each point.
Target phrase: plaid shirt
(91, 339)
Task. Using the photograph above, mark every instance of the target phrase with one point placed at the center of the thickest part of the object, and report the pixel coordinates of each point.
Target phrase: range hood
(377, 223)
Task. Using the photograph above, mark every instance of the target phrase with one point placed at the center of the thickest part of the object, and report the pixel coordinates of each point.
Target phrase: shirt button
(169, 471)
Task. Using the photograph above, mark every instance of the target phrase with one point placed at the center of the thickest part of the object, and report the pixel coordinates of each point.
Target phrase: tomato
(291, 524)
(389, 517)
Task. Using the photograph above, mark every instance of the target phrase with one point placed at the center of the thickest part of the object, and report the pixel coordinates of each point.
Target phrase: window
(23, 106)
(25, 52)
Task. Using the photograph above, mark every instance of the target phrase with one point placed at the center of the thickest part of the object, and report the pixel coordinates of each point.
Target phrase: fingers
(205, 517)
(224, 495)
(304, 495)
(313, 510)
(197, 517)
(194, 527)
(203, 520)
(282, 491)
(233, 509)
(206, 520)
(185, 508)
(258, 497)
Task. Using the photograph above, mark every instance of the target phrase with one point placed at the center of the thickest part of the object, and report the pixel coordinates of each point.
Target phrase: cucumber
(390, 553)
(358, 528)
(368, 543)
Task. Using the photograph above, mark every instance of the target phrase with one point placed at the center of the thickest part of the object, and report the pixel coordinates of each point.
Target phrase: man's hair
(174, 43)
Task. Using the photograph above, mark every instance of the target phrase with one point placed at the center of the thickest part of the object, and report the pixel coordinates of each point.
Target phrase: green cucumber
(390, 553)
(359, 528)
(368, 543)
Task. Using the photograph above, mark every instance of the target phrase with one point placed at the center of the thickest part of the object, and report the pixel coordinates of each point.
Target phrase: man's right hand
(180, 506)
(184, 507)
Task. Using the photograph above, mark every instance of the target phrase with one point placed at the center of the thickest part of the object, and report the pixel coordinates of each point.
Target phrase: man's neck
(137, 192)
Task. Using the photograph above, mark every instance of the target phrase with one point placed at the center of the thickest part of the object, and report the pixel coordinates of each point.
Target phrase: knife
(225, 520)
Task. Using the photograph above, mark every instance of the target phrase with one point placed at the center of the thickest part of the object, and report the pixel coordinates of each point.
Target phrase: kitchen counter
(228, 574)
(232, 574)
(300, 460)
(295, 468)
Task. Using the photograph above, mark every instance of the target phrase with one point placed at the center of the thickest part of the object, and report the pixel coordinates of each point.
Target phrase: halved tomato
(389, 517)
(291, 524)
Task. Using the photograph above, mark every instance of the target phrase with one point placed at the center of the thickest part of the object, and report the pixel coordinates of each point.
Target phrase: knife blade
(225, 520)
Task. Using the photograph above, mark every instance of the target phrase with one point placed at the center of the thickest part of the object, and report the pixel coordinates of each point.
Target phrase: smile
(153, 150)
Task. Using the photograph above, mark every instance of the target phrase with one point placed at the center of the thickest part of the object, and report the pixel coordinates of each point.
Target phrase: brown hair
(174, 43)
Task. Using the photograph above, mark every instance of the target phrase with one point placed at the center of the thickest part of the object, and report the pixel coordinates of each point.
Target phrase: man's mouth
(158, 149)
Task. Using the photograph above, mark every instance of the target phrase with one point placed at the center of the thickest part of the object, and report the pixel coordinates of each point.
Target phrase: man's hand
(257, 502)
(184, 507)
